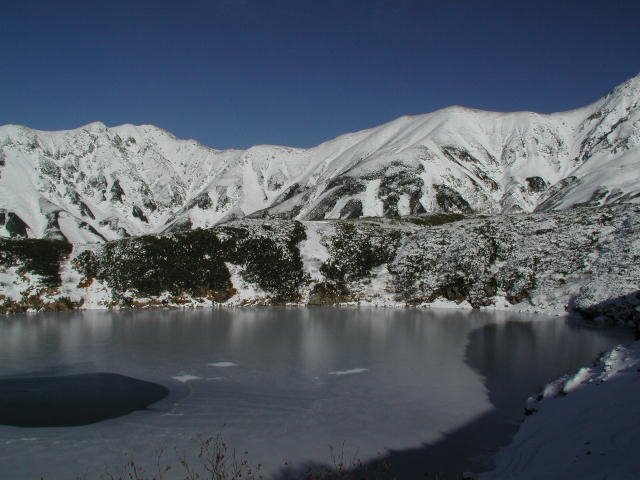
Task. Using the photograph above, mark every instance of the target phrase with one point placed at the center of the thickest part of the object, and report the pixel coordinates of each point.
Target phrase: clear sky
(234, 73)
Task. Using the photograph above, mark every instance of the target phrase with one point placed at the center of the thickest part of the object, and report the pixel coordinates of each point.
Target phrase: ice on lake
(351, 371)
(409, 379)
(223, 364)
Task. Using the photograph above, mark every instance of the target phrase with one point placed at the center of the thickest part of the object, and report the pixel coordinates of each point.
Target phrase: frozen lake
(438, 388)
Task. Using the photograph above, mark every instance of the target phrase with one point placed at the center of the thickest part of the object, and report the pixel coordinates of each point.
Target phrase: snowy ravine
(584, 426)
(96, 183)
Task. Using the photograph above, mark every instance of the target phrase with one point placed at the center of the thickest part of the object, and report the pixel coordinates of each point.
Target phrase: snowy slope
(97, 183)
(586, 426)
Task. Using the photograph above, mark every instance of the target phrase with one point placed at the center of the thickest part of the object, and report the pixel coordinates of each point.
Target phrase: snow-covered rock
(582, 260)
(97, 183)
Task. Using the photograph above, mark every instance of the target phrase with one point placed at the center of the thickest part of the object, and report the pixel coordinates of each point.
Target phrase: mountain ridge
(99, 183)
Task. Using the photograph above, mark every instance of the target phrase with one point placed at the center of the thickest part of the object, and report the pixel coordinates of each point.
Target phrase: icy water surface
(441, 387)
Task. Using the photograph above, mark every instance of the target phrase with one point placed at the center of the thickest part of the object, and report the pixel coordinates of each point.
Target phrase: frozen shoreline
(585, 425)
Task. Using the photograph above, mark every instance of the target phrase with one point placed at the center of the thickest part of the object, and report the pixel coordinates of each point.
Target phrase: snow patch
(14, 284)
(371, 204)
(97, 295)
(186, 378)
(223, 364)
(352, 371)
(246, 292)
(404, 205)
(313, 251)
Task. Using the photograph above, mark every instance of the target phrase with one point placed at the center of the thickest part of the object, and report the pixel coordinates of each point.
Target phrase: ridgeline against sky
(238, 73)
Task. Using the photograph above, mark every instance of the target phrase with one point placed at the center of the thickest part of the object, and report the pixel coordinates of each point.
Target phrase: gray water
(286, 383)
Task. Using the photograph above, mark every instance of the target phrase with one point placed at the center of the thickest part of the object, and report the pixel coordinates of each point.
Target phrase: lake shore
(585, 425)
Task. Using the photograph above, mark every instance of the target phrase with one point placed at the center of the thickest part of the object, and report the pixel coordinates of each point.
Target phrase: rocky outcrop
(581, 260)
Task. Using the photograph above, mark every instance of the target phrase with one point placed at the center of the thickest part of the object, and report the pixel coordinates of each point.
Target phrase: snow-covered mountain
(97, 183)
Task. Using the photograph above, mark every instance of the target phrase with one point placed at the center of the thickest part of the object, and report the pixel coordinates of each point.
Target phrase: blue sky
(244, 72)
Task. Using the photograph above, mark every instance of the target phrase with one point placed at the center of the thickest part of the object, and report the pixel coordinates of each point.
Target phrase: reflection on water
(514, 355)
(515, 358)
(283, 383)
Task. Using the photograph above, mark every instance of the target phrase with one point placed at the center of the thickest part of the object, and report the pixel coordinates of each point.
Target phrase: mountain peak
(630, 87)
(93, 126)
(100, 183)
